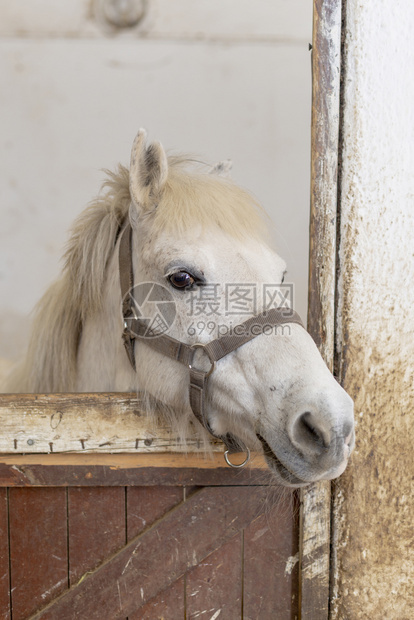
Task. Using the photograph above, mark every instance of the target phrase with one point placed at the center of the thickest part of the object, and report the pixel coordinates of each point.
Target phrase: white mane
(50, 363)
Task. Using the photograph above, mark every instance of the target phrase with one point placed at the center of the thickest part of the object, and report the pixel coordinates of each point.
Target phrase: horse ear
(222, 168)
(148, 172)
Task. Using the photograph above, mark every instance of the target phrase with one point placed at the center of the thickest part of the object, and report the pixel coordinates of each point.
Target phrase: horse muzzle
(315, 445)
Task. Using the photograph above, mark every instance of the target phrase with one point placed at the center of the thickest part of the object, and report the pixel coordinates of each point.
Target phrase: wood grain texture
(315, 551)
(54, 423)
(215, 586)
(38, 548)
(188, 534)
(127, 470)
(271, 555)
(326, 55)
(96, 524)
(4, 557)
(187, 553)
(147, 504)
(167, 605)
(326, 71)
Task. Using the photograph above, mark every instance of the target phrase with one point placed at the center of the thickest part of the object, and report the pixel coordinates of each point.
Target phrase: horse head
(201, 241)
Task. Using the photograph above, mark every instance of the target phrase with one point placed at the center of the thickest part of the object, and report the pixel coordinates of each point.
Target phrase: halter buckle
(199, 345)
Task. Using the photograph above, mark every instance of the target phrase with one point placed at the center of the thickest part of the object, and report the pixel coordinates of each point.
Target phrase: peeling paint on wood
(316, 500)
(291, 563)
(325, 134)
(316, 544)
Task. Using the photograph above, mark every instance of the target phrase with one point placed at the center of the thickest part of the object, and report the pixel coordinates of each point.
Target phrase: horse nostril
(312, 431)
(321, 433)
(309, 435)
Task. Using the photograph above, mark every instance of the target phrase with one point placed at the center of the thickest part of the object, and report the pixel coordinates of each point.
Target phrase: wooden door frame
(316, 514)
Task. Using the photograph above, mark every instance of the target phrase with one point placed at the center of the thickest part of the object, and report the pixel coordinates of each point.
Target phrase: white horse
(199, 247)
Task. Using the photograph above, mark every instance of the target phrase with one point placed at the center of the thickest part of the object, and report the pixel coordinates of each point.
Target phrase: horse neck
(102, 364)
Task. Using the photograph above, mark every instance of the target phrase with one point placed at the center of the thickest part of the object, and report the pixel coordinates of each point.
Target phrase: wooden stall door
(148, 552)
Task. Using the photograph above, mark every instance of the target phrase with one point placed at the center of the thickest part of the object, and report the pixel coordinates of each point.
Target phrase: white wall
(219, 78)
(374, 499)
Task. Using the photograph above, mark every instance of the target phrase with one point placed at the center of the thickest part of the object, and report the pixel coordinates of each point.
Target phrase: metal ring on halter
(199, 345)
(246, 460)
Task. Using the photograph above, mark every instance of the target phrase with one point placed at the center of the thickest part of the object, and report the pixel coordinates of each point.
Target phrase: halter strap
(126, 279)
(184, 353)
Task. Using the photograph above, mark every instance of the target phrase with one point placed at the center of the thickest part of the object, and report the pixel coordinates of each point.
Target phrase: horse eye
(181, 280)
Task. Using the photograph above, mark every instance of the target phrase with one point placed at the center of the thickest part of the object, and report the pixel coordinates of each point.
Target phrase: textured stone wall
(374, 500)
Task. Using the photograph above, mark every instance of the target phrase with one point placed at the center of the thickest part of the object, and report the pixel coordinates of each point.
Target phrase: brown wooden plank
(147, 504)
(188, 534)
(96, 527)
(167, 605)
(38, 548)
(4, 557)
(127, 470)
(271, 561)
(215, 585)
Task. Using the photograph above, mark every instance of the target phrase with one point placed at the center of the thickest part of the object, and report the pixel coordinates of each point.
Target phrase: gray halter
(184, 353)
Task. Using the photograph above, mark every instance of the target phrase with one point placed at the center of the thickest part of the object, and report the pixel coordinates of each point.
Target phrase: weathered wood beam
(326, 71)
(110, 422)
(129, 470)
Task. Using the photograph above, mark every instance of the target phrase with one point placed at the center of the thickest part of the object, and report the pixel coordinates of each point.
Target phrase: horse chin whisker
(287, 477)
